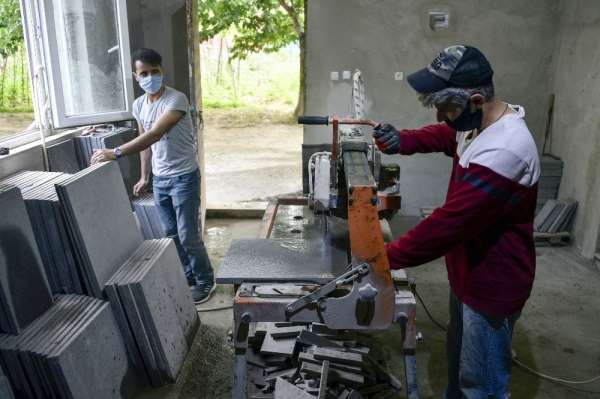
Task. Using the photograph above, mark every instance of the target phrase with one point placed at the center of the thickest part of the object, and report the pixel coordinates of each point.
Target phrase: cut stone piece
(349, 358)
(282, 260)
(287, 390)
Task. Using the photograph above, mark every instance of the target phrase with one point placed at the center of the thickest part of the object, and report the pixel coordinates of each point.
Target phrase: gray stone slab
(121, 282)
(94, 363)
(24, 290)
(10, 344)
(63, 158)
(168, 311)
(279, 260)
(32, 353)
(280, 347)
(129, 165)
(100, 217)
(286, 390)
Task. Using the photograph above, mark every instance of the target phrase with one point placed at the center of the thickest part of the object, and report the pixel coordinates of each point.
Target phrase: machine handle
(313, 120)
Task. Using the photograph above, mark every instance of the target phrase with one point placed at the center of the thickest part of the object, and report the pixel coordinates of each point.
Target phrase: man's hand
(140, 187)
(103, 155)
(387, 138)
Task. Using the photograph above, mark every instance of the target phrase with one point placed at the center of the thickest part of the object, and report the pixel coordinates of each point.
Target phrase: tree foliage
(256, 25)
(11, 30)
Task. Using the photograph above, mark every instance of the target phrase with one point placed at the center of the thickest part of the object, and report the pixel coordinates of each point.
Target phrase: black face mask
(467, 120)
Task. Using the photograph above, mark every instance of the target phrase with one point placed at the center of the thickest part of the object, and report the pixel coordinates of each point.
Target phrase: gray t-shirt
(175, 153)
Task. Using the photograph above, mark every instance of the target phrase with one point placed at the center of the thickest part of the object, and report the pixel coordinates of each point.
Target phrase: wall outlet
(399, 76)
(346, 75)
(335, 75)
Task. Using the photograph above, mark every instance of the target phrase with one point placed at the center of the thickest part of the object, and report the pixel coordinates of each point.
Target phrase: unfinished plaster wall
(576, 127)
(388, 36)
(162, 26)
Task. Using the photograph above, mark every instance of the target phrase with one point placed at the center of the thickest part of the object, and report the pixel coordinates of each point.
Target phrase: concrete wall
(388, 36)
(162, 26)
(576, 127)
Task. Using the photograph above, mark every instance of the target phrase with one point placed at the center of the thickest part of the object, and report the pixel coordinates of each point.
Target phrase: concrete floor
(251, 163)
(558, 333)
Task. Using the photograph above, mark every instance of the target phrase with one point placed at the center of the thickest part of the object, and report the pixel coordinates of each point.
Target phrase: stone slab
(63, 158)
(99, 214)
(282, 260)
(287, 390)
(280, 347)
(83, 360)
(24, 290)
(168, 311)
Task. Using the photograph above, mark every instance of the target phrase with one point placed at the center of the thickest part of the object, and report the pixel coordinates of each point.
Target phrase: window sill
(29, 140)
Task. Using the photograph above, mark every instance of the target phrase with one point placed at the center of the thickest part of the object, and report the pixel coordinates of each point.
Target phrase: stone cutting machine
(349, 183)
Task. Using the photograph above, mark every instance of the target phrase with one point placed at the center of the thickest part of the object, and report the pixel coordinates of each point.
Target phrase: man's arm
(432, 138)
(145, 167)
(143, 141)
(481, 200)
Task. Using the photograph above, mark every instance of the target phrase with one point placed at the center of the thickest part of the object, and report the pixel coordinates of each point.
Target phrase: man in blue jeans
(485, 227)
(167, 142)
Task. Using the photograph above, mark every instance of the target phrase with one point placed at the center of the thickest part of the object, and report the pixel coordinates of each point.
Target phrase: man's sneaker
(202, 292)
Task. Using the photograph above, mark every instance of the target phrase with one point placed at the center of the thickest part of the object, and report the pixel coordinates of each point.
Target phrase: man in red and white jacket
(485, 227)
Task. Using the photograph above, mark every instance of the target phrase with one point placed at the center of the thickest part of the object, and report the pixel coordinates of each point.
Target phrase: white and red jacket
(485, 228)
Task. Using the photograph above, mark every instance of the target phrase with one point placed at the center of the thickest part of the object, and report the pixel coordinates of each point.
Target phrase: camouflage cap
(455, 66)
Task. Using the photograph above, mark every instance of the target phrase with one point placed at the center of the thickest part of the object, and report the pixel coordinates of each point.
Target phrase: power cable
(514, 357)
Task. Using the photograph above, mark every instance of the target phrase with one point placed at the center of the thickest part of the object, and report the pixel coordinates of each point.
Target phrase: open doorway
(250, 88)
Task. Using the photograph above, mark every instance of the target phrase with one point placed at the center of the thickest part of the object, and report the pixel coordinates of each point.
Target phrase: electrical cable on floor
(514, 357)
(215, 309)
(440, 325)
(550, 378)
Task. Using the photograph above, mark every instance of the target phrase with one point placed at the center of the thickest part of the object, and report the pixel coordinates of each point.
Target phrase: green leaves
(11, 31)
(256, 25)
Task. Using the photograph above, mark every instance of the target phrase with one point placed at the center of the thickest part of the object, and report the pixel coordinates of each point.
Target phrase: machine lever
(327, 289)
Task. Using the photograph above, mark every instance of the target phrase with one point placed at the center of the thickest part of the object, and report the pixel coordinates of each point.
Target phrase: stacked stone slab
(100, 222)
(24, 290)
(549, 184)
(47, 220)
(109, 138)
(147, 215)
(62, 157)
(154, 308)
(74, 350)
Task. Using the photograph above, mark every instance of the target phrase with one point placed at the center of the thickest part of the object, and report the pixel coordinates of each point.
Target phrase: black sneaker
(191, 281)
(202, 292)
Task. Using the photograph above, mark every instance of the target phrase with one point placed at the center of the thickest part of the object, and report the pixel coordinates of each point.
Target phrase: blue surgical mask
(151, 84)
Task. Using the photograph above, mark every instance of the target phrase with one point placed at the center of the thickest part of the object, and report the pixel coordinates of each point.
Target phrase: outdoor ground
(558, 332)
(251, 155)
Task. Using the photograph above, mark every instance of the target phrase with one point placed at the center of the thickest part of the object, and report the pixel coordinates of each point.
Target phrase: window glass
(87, 37)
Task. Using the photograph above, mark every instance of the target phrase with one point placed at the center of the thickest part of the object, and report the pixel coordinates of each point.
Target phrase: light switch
(439, 20)
(335, 75)
(346, 75)
(399, 76)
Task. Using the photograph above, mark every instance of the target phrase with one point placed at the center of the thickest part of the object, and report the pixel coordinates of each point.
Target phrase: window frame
(51, 64)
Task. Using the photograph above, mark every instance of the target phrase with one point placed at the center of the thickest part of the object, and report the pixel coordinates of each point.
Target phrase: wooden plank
(268, 220)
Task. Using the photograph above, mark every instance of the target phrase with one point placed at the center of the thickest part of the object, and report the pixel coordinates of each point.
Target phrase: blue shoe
(202, 292)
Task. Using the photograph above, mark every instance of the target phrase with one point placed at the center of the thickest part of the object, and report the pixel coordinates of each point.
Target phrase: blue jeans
(178, 202)
(479, 353)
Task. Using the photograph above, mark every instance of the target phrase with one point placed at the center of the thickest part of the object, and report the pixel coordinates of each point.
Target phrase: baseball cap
(455, 66)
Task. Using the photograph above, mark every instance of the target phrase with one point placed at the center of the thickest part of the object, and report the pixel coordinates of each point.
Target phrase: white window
(83, 50)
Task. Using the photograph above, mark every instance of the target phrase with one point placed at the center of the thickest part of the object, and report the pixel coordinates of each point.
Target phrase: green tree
(11, 31)
(258, 25)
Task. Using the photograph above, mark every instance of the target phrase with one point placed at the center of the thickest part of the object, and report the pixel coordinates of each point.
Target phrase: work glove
(387, 138)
